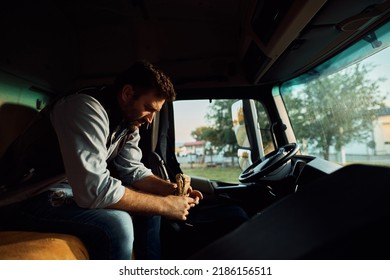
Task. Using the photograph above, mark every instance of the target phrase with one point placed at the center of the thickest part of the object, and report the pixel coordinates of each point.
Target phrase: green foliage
(219, 133)
(336, 109)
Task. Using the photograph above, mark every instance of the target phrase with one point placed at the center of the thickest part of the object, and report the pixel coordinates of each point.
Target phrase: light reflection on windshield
(344, 116)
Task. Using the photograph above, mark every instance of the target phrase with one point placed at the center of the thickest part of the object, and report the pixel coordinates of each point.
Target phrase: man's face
(140, 109)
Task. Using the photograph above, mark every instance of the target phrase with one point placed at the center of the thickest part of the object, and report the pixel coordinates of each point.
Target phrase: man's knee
(120, 223)
(117, 226)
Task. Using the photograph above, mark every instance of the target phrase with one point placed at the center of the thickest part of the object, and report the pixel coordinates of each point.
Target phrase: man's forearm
(155, 185)
(137, 202)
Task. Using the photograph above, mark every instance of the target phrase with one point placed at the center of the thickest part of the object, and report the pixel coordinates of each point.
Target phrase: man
(78, 170)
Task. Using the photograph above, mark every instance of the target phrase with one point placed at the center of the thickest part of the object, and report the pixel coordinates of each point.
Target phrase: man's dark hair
(142, 75)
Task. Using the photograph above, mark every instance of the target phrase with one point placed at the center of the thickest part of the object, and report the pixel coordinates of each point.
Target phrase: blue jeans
(107, 233)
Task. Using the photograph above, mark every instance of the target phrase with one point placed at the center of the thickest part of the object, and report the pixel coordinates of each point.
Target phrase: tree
(207, 134)
(219, 134)
(336, 109)
(203, 133)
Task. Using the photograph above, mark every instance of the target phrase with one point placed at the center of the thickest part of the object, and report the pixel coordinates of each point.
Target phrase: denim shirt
(83, 130)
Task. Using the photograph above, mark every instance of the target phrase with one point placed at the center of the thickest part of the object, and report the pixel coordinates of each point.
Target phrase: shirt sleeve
(128, 162)
(82, 127)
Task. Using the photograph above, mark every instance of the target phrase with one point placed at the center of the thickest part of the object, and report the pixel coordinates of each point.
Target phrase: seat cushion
(40, 246)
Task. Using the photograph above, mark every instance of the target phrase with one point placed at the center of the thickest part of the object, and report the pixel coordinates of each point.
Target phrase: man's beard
(131, 125)
(132, 128)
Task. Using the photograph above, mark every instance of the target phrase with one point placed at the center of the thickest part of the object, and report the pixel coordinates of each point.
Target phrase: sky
(382, 69)
(185, 121)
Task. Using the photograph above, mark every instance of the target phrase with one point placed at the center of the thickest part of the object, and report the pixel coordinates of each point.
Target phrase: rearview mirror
(239, 127)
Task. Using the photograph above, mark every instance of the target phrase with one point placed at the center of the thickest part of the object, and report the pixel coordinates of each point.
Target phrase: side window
(206, 140)
(15, 91)
(18, 105)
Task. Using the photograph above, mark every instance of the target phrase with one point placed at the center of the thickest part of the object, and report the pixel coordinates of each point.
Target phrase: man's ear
(126, 93)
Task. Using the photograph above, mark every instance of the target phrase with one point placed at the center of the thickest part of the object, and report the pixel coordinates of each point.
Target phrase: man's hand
(159, 200)
(170, 206)
(177, 207)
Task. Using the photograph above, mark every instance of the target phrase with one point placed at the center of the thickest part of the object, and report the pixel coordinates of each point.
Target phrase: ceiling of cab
(65, 44)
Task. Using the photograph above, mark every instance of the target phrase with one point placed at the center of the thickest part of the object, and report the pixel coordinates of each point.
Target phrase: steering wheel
(271, 162)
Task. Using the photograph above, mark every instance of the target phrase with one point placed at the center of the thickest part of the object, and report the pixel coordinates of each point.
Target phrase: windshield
(340, 111)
